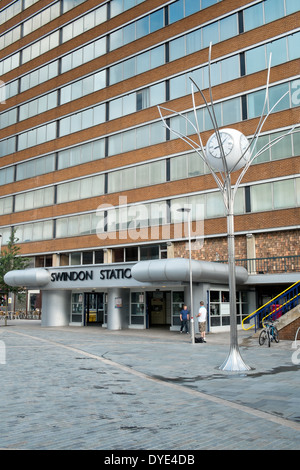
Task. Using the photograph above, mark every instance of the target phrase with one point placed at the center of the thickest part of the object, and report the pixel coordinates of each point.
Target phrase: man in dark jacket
(184, 318)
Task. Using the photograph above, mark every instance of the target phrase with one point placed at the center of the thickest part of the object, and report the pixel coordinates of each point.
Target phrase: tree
(11, 260)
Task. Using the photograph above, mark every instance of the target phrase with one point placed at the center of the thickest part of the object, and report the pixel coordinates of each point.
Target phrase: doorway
(94, 308)
(158, 308)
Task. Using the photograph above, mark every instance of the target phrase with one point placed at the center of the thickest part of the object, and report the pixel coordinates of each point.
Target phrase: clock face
(214, 147)
(244, 143)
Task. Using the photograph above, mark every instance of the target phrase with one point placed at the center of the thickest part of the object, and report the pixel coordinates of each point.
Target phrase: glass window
(100, 47)
(284, 194)
(177, 48)
(178, 87)
(275, 93)
(261, 142)
(157, 134)
(191, 6)
(297, 181)
(115, 144)
(193, 41)
(142, 175)
(115, 39)
(128, 68)
(228, 27)
(129, 104)
(291, 6)
(157, 57)
(230, 68)
(142, 137)
(195, 164)
(75, 259)
(115, 73)
(231, 111)
(214, 205)
(128, 33)
(176, 11)
(115, 108)
(255, 103)
(210, 33)
(156, 20)
(253, 17)
(142, 62)
(178, 167)
(273, 9)
(142, 27)
(149, 252)
(99, 115)
(99, 81)
(157, 94)
(283, 148)
(87, 257)
(157, 172)
(293, 42)
(129, 140)
(142, 99)
(261, 197)
(255, 59)
(279, 51)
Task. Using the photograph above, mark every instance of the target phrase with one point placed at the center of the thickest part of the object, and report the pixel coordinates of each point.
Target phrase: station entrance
(158, 308)
(94, 308)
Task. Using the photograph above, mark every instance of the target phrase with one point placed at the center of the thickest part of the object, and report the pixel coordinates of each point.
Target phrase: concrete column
(117, 317)
(56, 308)
(107, 256)
(251, 253)
(199, 293)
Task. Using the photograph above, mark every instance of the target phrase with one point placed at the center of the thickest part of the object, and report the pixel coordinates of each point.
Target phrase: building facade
(91, 180)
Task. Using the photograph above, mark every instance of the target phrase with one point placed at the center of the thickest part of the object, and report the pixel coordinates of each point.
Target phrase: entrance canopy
(126, 275)
(177, 269)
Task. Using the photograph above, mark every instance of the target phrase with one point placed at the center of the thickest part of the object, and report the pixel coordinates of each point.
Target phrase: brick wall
(289, 331)
(283, 243)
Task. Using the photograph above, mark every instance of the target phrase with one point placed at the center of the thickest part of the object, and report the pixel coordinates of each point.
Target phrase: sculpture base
(234, 362)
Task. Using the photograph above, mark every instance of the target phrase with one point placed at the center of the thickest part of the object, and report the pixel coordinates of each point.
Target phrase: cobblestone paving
(89, 388)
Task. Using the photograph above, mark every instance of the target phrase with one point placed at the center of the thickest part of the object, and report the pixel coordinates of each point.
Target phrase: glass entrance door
(94, 308)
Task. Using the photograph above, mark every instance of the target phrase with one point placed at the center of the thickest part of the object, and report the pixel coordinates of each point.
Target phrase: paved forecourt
(90, 388)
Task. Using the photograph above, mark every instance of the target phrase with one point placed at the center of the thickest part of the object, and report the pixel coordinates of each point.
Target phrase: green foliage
(10, 260)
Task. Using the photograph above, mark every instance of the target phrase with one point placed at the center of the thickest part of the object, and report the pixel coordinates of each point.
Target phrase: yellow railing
(253, 314)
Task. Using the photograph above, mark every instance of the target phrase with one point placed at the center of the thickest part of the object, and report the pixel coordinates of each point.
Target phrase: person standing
(184, 318)
(202, 314)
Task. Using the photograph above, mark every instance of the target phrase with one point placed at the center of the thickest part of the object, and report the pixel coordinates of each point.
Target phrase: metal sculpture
(227, 151)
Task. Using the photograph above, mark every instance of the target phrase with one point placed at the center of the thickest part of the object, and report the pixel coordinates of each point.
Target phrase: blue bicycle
(269, 333)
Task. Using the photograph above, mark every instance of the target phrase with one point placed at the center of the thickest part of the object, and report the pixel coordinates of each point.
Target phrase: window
(261, 197)
(284, 194)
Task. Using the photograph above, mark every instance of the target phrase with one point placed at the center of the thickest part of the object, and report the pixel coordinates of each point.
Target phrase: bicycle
(269, 333)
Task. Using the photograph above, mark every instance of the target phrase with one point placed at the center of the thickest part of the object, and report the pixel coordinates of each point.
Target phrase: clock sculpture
(227, 150)
(235, 150)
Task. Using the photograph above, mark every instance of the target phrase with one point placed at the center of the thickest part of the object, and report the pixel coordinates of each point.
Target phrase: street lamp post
(192, 323)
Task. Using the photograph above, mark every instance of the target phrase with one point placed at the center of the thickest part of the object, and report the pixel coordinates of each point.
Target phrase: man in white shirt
(202, 320)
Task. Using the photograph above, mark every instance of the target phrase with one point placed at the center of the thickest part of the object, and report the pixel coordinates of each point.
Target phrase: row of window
(61, 6)
(283, 50)
(15, 8)
(214, 32)
(135, 30)
(118, 255)
(168, 169)
(227, 112)
(106, 222)
(30, 25)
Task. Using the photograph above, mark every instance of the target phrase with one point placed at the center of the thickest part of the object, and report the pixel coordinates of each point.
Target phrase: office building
(91, 180)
